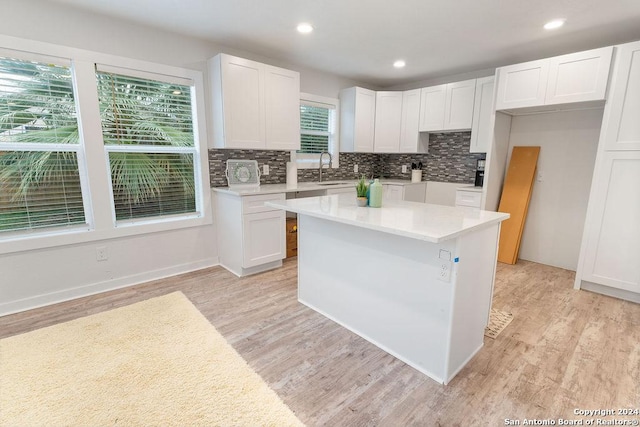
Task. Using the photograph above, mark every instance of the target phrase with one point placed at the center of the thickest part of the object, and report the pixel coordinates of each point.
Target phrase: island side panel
(474, 276)
(381, 286)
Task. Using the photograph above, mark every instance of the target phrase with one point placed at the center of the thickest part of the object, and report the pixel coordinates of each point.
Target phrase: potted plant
(361, 192)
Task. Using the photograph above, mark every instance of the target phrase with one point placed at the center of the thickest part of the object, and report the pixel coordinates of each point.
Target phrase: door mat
(498, 320)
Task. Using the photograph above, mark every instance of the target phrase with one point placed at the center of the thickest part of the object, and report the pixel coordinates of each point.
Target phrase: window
(147, 127)
(40, 150)
(318, 126)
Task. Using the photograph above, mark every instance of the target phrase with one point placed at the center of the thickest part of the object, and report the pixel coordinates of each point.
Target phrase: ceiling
(361, 39)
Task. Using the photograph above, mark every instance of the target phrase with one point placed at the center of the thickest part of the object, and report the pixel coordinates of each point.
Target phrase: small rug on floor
(498, 320)
(156, 362)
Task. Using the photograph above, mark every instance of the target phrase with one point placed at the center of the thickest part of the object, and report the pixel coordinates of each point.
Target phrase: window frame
(94, 159)
(312, 161)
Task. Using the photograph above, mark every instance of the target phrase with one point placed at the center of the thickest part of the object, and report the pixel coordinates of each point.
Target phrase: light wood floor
(565, 349)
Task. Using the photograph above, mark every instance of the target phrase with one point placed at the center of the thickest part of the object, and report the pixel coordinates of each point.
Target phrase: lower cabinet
(413, 192)
(468, 198)
(251, 236)
(612, 233)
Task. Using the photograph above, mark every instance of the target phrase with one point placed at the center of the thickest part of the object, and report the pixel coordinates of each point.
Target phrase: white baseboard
(611, 292)
(104, 286)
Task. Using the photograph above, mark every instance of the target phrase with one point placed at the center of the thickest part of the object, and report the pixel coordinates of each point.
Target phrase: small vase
(361, 201)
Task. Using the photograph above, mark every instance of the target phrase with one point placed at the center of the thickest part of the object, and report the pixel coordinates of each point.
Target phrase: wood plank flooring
(565, 349)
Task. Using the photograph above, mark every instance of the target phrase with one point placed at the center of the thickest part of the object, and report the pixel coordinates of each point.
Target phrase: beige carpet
(155, 363)
(498, 320)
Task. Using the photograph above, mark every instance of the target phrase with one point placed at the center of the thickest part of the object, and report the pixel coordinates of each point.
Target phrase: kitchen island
(414, 279)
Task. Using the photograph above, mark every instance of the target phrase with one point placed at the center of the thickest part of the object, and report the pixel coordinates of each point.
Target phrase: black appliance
(480, 173)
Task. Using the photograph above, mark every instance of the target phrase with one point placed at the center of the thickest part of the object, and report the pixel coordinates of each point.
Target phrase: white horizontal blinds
(315, 128)
(147, 127)
(39, 145)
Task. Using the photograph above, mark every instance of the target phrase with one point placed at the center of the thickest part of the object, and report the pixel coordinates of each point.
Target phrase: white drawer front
(255, 204)
(468, 198)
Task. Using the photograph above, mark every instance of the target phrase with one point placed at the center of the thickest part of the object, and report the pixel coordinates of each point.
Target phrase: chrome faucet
(320, 166)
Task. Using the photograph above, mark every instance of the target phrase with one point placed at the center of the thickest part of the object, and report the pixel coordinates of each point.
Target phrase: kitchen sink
(333, 183)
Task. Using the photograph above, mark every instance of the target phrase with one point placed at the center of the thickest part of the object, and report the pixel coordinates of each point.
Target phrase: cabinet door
(622, 126)
(522, 85)
(410, 128)
(282, 108)
(578, 77)
(481, 128)
(365, 116)
(243, 102)
(263, 238)
(387, 122)
(458, 110)
(392, 193)
(613, 231)
(432, 104)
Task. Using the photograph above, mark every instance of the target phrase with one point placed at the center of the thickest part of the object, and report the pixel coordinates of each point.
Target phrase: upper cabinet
(622, 126)
(481, 130)
(254, 105)
(410, 128)
(577, 77)
(447, 107)
(388, 122)
(357, 119)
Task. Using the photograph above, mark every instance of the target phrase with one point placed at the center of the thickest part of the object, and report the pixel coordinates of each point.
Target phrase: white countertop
(302, 186)
(432, 223)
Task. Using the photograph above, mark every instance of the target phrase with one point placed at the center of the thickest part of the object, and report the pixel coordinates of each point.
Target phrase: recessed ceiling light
(552, 25)
(399, 63)
(304, 28)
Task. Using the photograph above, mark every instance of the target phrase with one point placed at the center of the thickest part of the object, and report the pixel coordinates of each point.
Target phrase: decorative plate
(242, 173)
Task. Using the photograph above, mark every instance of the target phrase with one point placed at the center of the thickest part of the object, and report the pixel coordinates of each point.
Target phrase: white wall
(555, 221)
(38, 277)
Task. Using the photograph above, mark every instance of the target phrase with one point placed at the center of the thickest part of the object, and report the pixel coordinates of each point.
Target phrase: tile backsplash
(448, 160)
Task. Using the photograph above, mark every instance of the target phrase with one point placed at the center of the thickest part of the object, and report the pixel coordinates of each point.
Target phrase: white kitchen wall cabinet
(254, 105)
(610, 248)
(388, 122)
(623, 130)
(447, 107)
(573, 78)
(410, 128)
(357, 119)
(251, 236)
(481, 128)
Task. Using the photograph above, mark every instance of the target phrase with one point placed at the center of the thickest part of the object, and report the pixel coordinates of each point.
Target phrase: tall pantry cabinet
(610, 251)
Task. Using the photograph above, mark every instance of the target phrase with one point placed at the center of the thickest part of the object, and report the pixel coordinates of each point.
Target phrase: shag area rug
(154, 363)
(498, 320)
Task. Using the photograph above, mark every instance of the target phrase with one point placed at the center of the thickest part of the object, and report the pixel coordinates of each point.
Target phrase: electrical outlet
(404, 168)
(265, 169)
(101, 253)
(355, 168)
(444, 273)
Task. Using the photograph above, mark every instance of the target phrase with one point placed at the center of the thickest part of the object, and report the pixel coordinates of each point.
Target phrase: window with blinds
(40, 183)
(147, 126)
(316, 127)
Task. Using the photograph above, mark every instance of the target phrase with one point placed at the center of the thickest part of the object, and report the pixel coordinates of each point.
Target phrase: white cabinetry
(410, 192)
(388, 121)
(468, 198)
(481, 129)
(357, 119)
(410, 129)
(254, 105)
(251, 236)
(572, 78)
(610, 252)
(623, 121)
(447, 107)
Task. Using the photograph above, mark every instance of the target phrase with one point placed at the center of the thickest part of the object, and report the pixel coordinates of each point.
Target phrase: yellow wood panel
(516, 194)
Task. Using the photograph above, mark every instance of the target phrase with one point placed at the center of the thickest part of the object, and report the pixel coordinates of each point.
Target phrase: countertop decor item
(361, 192)
(242, 173)
(375, 194)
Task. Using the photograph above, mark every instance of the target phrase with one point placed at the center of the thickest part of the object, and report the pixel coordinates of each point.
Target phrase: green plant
(361, 187)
